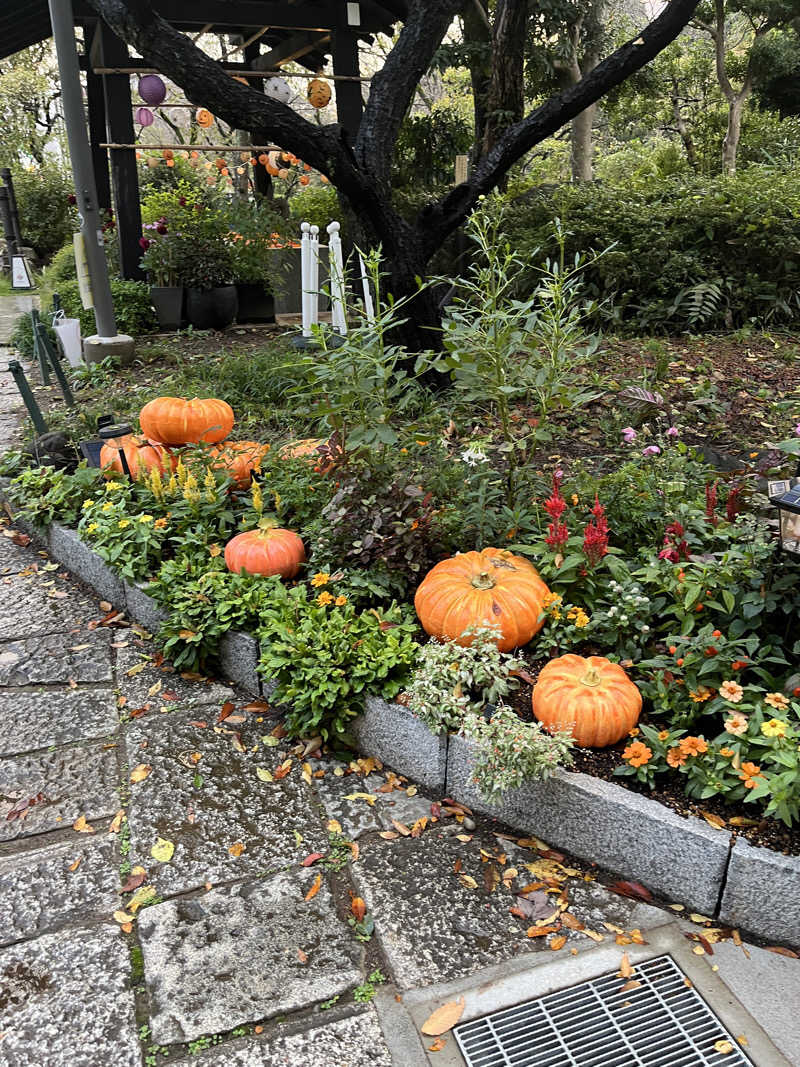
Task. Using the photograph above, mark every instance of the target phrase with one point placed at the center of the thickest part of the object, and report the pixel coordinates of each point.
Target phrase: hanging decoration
(278, 89)
(152, 89)
(319, 93)
(203, 117)
(144, 116)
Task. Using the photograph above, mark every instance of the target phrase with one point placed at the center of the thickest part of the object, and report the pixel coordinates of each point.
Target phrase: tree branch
(719, 50)
(440, 219)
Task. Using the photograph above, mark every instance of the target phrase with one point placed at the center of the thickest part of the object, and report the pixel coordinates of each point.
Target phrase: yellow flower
(340, 601)
(575, 499)
(732, 691)
(256, 497)
(422, 443)
(87, 504)
(214, 551)
(701, 694)
(774, 728)
(727, 752)
(325, 598)
(91, 527)
(180, 471)
(663, 735)
(144, 519)
(320, 578)
(107, 506)
(123, 523)
(210, 482)
(581, 620)
(112, 487)
(777, 701)
(160, 524)
(551, 598)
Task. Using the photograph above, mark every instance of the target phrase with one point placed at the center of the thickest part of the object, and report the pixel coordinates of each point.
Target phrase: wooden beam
(254, 13)
(349, 103)
(292, 48)
(241, 70)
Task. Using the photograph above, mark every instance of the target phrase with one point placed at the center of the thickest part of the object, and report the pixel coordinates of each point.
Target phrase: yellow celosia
(256, 497)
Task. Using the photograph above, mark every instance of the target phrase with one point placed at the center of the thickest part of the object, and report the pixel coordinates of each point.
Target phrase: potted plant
(166, 295)
(206, 269)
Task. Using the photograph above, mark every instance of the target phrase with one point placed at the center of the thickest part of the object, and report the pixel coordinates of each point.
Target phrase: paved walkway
(178, 884)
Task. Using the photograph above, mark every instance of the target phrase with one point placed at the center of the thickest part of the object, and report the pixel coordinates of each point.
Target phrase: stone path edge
(678, 857)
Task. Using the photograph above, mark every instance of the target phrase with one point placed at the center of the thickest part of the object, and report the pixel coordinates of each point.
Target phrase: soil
(600, 763)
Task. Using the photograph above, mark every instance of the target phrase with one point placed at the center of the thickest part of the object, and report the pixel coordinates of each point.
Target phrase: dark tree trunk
(506, 103)
(478, 40)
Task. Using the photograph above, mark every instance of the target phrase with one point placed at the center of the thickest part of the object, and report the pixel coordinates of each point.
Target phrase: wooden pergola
(269, 35)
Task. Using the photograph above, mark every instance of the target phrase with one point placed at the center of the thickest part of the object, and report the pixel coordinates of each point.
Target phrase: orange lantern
(203, 117)
(304, 179)
(167, 153)
(318, 93)
(170, 162)
(283, 173)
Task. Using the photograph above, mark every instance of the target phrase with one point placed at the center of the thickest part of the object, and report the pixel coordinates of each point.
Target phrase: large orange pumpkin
(174, 421)
(488, 588)
(240, 459)
(267, 550)
(141, 455)
(592, 698)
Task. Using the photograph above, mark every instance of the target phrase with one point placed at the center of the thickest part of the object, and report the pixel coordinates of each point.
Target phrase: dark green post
(37, 347)
(51, 354)
(21, 382)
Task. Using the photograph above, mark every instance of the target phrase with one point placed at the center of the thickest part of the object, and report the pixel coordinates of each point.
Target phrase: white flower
(473, 456)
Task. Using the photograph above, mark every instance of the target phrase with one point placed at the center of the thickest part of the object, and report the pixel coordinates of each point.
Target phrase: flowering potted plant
(205, 267)
(159, 260)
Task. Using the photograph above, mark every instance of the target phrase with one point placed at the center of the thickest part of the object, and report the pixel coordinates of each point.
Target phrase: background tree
(30, 114)
(361, 169)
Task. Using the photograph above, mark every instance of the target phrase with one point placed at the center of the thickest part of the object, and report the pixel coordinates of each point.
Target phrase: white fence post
(369, 308)
(336, 265)
(305, 279)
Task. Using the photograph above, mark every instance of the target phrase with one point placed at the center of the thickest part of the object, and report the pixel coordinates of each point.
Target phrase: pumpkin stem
(592, 677)
(484, 580)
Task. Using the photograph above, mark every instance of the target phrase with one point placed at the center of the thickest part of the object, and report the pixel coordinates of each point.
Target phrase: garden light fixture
(785, 496)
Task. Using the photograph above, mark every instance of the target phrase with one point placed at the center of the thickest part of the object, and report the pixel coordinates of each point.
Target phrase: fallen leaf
(698, 950)
(334, 826)
(464, 837)
(542, 931)
(723, 1047)
(438, 1044)
(677, 907)
(388, 835)
(635, 890)
(82, 826)
(625, 969)
(236, 849)
(283, 770)
(135, 879)
(140, 772)
(141, 896)
(444, 1018)
(411, 791)
(742, 820)
(257, 706)
(594, 936)
(311, 859)
(355, 850)
(105, 606)
(368, 797)
(468, 881)
(123, 917)
(628, 986)
(713, 820)
(116, 822)
(74, 866)
(162, 850)
(401, 828)
(263, 774)
(558, 942)
(225, 711)
(358, 907)
(571, 922)
(779, 950)
(314, 888)
(491, 877)
(302, 956)
(419, 826)
(696, 917)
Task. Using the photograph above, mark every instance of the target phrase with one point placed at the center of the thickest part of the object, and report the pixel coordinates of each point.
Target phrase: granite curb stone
(682, 859)
(66, 546)
(239, 654)
(142, 608)
(760, 881)
(399, 739)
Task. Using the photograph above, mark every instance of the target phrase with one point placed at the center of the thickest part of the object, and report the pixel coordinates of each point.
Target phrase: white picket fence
(309, 275)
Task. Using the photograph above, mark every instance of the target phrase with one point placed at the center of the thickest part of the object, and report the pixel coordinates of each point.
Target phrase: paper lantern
(144, 116)
(304, 179)
(203, 117)
(278, 89)
(152, 89)
(168, 153)
(283, 173)
(319, 93)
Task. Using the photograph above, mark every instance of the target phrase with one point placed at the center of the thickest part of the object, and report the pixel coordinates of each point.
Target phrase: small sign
(353, 14)
(20, 276)
(82, 268)
(462, 169)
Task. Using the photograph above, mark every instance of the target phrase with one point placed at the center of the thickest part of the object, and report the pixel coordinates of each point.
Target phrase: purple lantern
(152, 89)
(144, 116)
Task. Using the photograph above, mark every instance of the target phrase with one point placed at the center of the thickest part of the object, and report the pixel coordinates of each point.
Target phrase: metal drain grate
(662, 1023)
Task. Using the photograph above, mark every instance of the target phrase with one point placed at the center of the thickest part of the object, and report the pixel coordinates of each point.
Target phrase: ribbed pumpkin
(141, 455)
(174, 421)
(298, 449)
(267, 550)
(488, 588)
(240, 459)
(592, 697)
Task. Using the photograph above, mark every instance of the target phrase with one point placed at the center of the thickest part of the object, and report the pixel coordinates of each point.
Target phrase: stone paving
(160, 896)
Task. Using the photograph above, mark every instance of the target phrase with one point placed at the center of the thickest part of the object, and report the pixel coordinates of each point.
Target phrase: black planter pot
(211, 309)
(255, 303)
(168, 303)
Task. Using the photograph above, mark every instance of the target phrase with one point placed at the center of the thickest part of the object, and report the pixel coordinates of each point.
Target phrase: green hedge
(132, 308)
(683, 254)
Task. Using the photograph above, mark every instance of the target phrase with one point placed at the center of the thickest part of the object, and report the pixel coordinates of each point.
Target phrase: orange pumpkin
(267, 550)
(488, 588)
(240, 459)
(141, 455)
(593, 698)
(173, 421)
(309, 446)
(318, 93)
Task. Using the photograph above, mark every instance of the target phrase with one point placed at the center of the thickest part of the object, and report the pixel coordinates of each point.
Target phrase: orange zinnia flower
(726, 752)
(676, 757)
(776, 700)
(692, 746)
(701, 693)
(748, 774)
(637, 754)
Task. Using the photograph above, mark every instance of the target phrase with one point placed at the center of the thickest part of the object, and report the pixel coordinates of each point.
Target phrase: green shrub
(317, 204)
(684, 253)
(132, 308)
(45, 216)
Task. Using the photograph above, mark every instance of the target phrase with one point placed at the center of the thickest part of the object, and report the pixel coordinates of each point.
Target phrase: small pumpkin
(488, 588)
(171, 420)
(318, 93)
(240, 459)
(141, 455)
(593, 698)
(266, 550)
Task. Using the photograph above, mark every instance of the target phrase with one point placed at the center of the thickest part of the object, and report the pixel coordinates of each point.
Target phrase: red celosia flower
(732, 505)
(595, 535)
(557, 535)
(711, 503)
(555, 505)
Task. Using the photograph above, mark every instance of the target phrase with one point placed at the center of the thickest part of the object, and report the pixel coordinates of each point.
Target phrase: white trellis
(309, 275)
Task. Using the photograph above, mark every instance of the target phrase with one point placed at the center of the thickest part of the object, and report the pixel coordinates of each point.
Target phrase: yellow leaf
(438, 1044)
(401, 828)
(700, 919)
(74, 866)
(389, 835)
(236, 849)
(370, 799)
(187, 635)
(628, 986)
(140, 772)
(215, 550)
(698, 950)
(136, 670)
(713, 820)
(116, 822)
(162, 850)
(141, 896)
(123, 917)
(314, 888)
(154, 688)
(723, 1047)
(594, 936)
(82, 826)
(625, 969)
(464, 837)
(263, 774)
(411, 791)
(676, 907)
(444, 1018)
(467, 881)
(126, 927)
(558, 942)
(334, 826)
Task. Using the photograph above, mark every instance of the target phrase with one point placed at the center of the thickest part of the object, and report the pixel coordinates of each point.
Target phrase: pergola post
(119, 128)
(262, 182)
(96, 106)
(349, 104)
